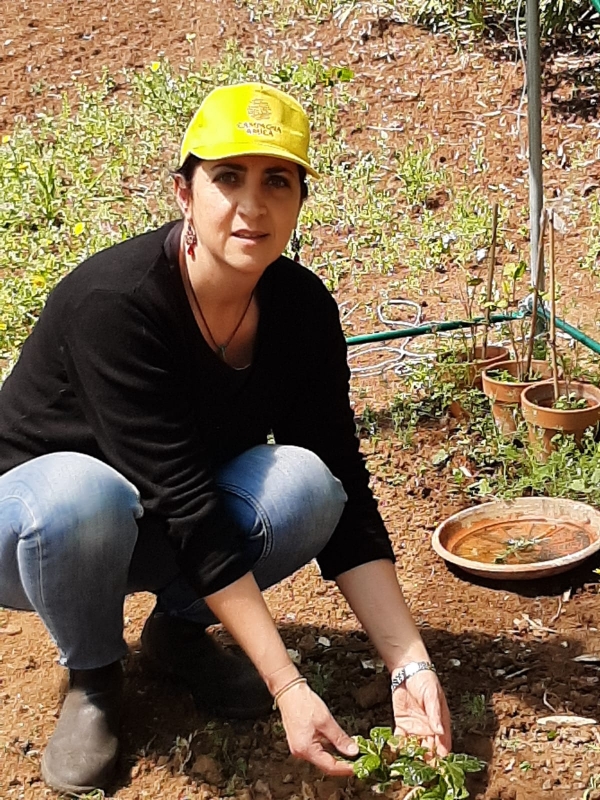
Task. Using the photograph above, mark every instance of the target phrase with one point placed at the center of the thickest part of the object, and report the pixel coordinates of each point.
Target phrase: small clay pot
(468, 373)
(505, 398)
(536, 406)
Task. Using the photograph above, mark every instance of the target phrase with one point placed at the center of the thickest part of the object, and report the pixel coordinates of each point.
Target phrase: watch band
(408, 670)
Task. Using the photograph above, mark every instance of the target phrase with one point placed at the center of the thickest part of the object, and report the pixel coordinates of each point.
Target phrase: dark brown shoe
(222, 684)
(82, 752)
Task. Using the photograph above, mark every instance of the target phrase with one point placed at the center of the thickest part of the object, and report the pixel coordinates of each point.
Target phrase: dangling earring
(295, 245)
(191, 240)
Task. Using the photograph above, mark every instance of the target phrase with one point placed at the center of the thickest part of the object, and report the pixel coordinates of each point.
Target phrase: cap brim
(237, 149)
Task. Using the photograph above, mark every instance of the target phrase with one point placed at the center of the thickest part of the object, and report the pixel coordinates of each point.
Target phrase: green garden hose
(432, 327)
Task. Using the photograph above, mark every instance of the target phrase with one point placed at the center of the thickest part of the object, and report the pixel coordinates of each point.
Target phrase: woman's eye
(278, 181)
(229, 178)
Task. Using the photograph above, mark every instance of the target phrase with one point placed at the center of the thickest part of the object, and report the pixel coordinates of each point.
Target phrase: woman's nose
(251, 201)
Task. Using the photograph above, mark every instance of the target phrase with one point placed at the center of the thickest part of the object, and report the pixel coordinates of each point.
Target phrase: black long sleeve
(117, 368)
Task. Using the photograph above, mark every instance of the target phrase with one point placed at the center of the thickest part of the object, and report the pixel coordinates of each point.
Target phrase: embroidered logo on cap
(259, 109)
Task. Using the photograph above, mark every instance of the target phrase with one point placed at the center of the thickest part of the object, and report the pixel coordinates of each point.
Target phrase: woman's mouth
(250, 236)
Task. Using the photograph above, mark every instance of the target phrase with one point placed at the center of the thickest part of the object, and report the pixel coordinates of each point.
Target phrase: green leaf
(414, 750)
(454, 777)
(343, 74)
(413, 773)
(360, 769)
(440, 458)
(434, 793)
(379, 736)
(366, 765)
(578, 485)
(466, 762)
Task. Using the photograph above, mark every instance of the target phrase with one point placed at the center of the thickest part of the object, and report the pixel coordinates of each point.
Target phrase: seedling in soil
(474, 706)
(570, 402)
(504, 376)
(385, 760)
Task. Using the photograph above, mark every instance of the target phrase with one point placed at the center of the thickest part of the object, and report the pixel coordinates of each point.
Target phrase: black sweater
(117, 368)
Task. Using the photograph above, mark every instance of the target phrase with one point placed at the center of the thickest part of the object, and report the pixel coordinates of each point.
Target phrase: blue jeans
(69, 537)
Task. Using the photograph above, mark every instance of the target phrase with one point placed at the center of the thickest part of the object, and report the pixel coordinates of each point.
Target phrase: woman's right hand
(310, 729)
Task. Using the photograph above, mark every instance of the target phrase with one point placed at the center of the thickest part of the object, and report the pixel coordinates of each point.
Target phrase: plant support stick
(552, 270)
(536, 293)
(490, 280)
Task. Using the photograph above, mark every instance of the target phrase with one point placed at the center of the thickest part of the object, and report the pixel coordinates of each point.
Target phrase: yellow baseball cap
(248, 119)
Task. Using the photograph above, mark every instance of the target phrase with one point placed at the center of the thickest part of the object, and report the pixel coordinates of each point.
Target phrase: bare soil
(512, 643)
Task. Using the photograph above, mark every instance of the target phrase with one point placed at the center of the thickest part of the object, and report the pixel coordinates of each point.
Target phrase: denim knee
(291, 494)
(68, 529)
(315, 484)
(72, 502)
(75, 496)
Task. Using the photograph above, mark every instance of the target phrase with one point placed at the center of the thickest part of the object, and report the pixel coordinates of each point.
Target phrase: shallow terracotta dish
(530, 537)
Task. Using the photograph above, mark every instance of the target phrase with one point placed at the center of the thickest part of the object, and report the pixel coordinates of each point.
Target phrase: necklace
(221, 348)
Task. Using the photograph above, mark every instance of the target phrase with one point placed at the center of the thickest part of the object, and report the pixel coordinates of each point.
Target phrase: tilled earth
(514, 644)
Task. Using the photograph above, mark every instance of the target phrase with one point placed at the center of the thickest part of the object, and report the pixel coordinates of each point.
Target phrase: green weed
(474, 706)
(477, 17)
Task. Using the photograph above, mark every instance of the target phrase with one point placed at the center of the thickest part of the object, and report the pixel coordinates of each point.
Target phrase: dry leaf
(588, 658)
(307, 791)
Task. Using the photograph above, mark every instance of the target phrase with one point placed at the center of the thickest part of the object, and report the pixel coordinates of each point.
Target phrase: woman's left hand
(420, 710)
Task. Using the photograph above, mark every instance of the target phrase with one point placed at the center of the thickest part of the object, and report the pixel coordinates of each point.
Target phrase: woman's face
(243, 210)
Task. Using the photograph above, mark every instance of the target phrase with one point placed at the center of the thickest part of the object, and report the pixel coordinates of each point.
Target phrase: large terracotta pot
(468, 373)
(541, 418)
(505, 397)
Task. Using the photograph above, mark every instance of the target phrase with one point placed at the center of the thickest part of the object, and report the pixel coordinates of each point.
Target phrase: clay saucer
(529, 537)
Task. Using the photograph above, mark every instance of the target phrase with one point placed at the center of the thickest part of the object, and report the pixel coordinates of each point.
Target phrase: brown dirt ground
(515, 644)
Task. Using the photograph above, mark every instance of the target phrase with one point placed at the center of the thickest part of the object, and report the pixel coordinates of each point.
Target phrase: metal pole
(534, 124)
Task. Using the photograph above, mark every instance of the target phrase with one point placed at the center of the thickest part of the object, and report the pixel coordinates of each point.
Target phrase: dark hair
(190, 165)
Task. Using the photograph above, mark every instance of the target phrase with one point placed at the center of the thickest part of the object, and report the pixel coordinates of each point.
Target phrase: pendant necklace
(221, 348)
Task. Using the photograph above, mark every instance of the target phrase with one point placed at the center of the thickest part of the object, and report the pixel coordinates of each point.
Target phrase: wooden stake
(536, 293)
(552, 271)
(490, 279)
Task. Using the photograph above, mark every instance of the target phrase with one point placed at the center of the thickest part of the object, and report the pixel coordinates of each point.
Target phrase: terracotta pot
(536, 402)
(505, 398)
(468, 373)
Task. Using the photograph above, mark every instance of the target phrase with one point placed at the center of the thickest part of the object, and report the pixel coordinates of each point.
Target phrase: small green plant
(415, 169)
(474, 706)
(570, 402)
(384, 759)
(514, 547)
(502, 375)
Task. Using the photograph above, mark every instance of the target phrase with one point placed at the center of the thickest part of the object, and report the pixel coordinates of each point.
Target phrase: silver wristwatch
(408, 670)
